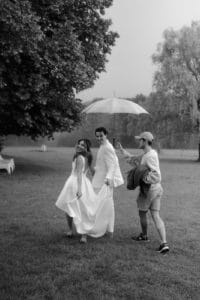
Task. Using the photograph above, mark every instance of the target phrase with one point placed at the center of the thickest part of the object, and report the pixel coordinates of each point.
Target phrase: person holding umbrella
(107, 171)
(150, 200)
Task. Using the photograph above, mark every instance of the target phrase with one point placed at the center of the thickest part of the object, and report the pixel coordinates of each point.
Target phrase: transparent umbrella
(114, 106)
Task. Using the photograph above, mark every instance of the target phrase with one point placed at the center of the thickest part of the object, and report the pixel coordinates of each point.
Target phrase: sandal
(69, 234)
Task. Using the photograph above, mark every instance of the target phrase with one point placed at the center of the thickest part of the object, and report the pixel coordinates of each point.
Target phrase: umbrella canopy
(115, 106)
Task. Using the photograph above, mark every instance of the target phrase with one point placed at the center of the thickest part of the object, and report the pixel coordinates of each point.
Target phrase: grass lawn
(38, 262)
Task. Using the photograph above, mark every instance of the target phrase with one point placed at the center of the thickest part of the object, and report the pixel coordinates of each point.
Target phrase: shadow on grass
(31, 168)
(26, 167)
(56, 242)
(38, 165)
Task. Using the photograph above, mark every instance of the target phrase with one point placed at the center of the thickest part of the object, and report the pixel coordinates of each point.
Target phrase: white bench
(7, 164)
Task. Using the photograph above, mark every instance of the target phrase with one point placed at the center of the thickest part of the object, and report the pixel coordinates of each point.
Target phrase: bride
(90, 212)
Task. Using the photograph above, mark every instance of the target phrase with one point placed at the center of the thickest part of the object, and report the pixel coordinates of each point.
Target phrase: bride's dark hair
(85, 152)
(89, 152)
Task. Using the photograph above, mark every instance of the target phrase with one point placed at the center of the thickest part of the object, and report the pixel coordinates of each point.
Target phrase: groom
(107, 170)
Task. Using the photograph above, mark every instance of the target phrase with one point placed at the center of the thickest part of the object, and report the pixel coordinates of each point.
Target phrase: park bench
(7, 164)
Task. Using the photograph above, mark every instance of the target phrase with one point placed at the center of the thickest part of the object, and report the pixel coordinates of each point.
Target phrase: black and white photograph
(99, 149)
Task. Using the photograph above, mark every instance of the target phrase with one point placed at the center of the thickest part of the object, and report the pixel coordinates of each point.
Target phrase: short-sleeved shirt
(151, 160)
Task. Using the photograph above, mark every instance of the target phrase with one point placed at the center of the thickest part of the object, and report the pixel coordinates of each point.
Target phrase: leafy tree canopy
(49, 50)
(178, 60)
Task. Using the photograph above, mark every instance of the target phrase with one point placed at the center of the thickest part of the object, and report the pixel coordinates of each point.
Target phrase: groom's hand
(92, 171)
(109, 182)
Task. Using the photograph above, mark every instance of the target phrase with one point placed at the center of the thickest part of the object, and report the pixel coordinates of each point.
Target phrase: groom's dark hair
(101, 129)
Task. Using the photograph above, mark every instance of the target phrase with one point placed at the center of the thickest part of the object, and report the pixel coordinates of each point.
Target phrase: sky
(140, 24)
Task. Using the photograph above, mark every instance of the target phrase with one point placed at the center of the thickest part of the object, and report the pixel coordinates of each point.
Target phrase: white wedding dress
(92, 212)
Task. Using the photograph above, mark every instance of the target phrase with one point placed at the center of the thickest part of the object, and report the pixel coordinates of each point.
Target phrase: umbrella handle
(115, 141)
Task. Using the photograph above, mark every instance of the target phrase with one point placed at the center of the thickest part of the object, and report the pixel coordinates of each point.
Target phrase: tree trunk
(198, 137)
(199, 152)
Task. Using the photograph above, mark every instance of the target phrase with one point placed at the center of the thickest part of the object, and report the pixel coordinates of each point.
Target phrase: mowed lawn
(37, 261)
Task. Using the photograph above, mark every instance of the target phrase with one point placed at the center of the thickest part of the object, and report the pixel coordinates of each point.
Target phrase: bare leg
(143, 221)
(160, 226)
(70, 223)
(83, 239)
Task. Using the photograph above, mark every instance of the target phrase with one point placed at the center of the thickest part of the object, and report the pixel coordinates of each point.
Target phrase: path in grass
(38, 262)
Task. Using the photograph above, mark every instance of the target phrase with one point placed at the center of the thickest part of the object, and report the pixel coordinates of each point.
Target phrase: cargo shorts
(150, 201)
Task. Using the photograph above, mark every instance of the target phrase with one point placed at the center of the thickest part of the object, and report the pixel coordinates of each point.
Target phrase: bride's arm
(79, 170)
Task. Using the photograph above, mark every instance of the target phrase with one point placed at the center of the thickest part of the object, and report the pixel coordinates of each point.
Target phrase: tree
(49, 51)
(178, 73)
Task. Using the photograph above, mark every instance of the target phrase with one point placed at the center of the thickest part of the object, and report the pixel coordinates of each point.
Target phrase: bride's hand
(79, 194)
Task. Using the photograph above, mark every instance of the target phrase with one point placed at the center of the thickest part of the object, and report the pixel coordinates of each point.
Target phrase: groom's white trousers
(111, 223)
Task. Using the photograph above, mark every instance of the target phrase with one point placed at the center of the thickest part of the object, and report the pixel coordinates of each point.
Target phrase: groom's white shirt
(107, 166)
